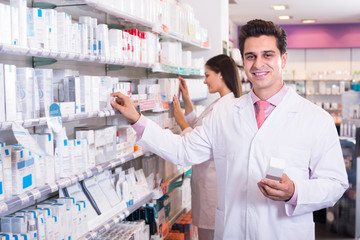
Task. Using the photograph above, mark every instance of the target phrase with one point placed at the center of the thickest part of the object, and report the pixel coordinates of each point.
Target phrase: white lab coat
(203, 177)
(297, 131)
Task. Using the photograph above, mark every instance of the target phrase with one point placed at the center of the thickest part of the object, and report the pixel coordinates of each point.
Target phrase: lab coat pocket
(219, 224)
(298, 231)
(297, 162)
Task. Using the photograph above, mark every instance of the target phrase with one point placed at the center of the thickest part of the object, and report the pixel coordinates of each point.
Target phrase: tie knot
(262, 104)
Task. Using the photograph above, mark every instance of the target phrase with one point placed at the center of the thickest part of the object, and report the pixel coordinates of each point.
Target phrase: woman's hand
(125, 106)
(184, 89)
(185, 95)
(178, 114)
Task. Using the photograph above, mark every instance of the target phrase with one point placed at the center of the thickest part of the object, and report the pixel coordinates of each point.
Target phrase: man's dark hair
(257, 28)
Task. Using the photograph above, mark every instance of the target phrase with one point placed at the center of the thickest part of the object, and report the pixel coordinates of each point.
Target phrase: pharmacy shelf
(167, 226)
(164, 31)
(104, 7)
(37, 193)
(144, 105)
(323, 94)
(49, 56)
(193, 100)
(328, 80)
(158, 28)
(43, 57)
(170, 184)
(176, 217)
(164, 68)
(119, 216)
(65, 118)
(188, 44)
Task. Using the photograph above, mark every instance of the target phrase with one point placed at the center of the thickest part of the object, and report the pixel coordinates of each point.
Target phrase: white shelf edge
(117, 13)
(166, 68)
(67, 56)
(29, 196)
(107, 222)
(134, 19)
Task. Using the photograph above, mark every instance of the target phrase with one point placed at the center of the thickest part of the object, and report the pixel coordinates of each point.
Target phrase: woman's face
(213, 80)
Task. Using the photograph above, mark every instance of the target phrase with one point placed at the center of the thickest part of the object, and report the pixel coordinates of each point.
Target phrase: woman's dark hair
(227, 67)
(257, 28)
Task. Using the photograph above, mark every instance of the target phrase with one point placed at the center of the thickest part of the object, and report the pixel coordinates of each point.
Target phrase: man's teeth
(260, 73)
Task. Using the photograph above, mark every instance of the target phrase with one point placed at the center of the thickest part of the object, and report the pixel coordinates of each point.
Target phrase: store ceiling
(324, 11)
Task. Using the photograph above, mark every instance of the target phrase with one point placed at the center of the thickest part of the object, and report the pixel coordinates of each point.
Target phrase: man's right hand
(125, 106)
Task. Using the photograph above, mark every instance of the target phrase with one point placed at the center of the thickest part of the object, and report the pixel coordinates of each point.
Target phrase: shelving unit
(121, 215)
(103, 224)
(37, 57)
(35, 194)
(328, 96)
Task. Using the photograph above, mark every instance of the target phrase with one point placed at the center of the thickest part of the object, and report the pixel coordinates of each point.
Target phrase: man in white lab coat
(272, 121)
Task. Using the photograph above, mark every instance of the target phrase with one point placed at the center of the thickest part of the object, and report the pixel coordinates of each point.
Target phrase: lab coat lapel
(283, 113)
(246, 113)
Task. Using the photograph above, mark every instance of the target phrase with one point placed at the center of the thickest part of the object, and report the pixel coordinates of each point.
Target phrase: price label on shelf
(112, 164)
(3, 207)
(93, 234)
(117, 219)
(36, 122)
(73, 179)
(80, 176)
(138, 153)
(89, 173)
(107, 226)
(53, 187)
(99, 168)
(64, 182)
(24, 198)
(122, 160)
(107, 113)
(122, 216)
(42, 121)
(101, 114)
(126, 212)
(36, 193)
(27, 123)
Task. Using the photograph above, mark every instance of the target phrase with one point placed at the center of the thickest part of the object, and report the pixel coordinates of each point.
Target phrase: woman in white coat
(221, 76)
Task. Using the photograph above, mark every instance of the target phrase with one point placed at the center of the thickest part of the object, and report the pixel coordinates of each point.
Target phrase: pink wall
(323, 35)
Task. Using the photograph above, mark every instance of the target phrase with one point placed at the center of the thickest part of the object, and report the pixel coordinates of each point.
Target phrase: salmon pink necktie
(260, 117)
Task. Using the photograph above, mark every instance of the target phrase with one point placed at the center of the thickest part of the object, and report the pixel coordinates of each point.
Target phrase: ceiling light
(284, 17)
(308, 21)
(279, 7)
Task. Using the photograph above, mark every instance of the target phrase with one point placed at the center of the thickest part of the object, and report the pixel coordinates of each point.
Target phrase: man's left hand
(277, 191)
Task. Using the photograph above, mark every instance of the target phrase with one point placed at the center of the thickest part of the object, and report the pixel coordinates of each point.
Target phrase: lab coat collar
(289, 101)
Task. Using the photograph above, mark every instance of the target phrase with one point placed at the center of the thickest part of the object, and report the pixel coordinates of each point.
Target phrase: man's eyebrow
(266, 51)
(269, 51)
(249, 53)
